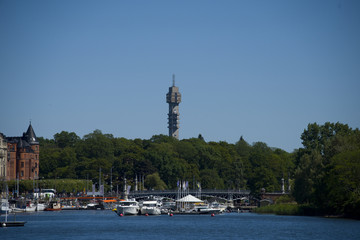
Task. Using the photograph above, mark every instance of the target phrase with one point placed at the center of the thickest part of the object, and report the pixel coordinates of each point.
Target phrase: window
(22, 164)
(22, 173)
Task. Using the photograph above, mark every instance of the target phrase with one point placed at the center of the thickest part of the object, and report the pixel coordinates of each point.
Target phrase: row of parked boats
(157, 207)
(27, 206)
(185, 205)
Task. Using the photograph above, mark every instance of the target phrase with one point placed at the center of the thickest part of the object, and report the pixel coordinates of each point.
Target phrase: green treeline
(164, 160)
(327, 173)
(324, 173)
(61, 185)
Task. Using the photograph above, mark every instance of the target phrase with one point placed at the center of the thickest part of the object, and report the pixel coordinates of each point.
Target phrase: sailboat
(5, 206)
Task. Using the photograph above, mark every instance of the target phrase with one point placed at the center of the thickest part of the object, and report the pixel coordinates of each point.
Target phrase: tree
(210, 179)
(96, 145)
(66, 139)
(344, 183)
(328, 167)
(153, 181)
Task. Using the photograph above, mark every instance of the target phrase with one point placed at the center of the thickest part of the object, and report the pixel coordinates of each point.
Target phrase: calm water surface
(107, 225)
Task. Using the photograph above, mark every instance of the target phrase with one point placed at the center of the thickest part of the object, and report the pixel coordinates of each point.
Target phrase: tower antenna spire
(173, 80)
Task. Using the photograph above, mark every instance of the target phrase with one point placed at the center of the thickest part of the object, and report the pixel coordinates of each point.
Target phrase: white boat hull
(127, 210)
(150, 211)
(30, 209)
(18, 210)
(40, 207)
(209, 210)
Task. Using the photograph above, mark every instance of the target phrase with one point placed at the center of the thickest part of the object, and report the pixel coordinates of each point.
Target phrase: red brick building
(23, 156)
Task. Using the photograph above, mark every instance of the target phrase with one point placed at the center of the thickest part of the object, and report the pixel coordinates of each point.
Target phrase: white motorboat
(30, 207)
(216, 205)
(205, 209)
(208, 210)
(40, 207)
(151, 208)
(128, 207)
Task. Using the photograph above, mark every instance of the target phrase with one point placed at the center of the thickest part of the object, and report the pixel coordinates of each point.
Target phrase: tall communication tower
(173, 98)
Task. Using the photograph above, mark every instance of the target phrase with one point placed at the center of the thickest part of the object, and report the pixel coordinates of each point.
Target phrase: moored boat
(18, 210)
(151, 208)
(30, 207)
(215, 205)
(94, 206)
(12, 224)
(53, 206)
(128, 207)
(40, 207)
(4, 206)
(68, 207)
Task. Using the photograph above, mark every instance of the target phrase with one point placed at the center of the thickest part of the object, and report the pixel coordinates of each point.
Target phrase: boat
(68, 207)
(95, 206)
(205, 209)
(208, 210)
(127, 207)
(12, 224)
(40, 207)
(151, 208)
(30, 207)
(4, 206)
(219, 206)
(53, 206)
(18, 210)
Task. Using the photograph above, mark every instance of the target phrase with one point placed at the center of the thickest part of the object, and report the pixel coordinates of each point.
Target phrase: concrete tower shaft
(173, 98)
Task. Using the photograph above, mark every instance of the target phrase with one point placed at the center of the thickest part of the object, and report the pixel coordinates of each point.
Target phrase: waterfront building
(23, 156)
(173, 98)
(3, 156)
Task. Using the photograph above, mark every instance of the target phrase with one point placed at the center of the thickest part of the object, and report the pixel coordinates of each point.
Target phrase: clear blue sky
(258, 69)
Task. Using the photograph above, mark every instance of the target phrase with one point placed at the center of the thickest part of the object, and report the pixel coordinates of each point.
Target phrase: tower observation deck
(173, 98)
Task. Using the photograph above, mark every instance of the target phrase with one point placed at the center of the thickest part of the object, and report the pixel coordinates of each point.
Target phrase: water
(107, 225)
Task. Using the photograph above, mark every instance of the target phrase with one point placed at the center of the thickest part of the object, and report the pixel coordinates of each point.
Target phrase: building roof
(30, 136)
(22, 144)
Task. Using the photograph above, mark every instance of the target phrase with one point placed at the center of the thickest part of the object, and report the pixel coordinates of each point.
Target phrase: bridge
(175, 194)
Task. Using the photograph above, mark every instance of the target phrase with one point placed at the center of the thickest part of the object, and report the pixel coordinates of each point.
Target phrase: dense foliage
(61, 185)
(325, 173)
(161, 161)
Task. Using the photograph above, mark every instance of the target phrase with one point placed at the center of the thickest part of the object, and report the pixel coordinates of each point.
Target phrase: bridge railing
(193, 192)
